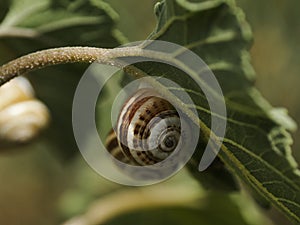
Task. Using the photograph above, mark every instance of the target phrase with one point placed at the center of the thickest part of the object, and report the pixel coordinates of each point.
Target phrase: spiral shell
(22, 117)
(147, 132)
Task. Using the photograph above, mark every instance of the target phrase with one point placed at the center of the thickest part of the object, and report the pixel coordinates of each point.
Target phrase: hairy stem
(49, 57)
(62, 55)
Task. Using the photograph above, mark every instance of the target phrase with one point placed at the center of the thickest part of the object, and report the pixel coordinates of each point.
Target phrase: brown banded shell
(148, 130)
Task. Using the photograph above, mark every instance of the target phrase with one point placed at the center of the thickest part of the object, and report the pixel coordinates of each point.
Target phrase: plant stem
(48, 57)
(62, 55)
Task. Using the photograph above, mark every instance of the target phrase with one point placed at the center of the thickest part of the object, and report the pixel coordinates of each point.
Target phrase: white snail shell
(148, 130)
(22, 117)
(17, 90)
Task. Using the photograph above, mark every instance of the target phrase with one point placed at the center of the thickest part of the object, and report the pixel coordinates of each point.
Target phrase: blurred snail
(22, 116)
(148, 130)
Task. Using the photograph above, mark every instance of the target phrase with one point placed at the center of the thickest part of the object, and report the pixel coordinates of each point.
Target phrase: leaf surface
(256, 146)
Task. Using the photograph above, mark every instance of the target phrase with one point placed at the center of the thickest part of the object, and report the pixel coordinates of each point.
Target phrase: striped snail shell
(22, 116)
(148, 130)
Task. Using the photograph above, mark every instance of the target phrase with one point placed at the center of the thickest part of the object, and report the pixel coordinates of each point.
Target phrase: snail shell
(148, 130)
(22, 117)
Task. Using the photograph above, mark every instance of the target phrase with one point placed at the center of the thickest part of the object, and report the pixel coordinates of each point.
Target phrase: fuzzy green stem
(49, 57)
(62, 55)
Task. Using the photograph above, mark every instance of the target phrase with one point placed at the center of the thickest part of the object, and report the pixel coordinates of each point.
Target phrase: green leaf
(256, 147)
(57, 23)
(31, 25)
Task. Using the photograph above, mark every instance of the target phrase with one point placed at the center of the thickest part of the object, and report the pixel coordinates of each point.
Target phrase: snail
(22, 116)
(147, 132)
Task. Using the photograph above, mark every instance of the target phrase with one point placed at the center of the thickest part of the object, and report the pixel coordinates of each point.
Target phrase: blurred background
(37, 189)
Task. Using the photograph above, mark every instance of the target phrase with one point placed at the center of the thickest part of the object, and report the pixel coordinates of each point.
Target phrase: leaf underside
(256, 146)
